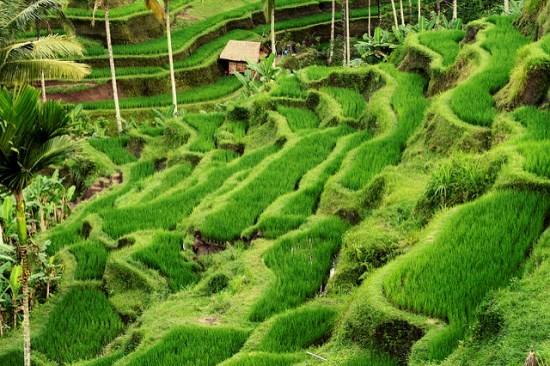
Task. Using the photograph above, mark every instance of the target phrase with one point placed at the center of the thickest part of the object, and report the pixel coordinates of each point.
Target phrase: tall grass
(299, 118)
(288, 86)
(221, 88)
(79, 327)
(91, 256)
(142, 170)
(170, 178)
(165, 254)
(300, 261)
(166, 212)
(472, 100)
(409, 104)
(193, 346)
(445, 42)
(241, 208)
(299, 329)
(536, 122)
(537, 158)
(114, 148)
(206, 125)
(352, 102)
(477, 250)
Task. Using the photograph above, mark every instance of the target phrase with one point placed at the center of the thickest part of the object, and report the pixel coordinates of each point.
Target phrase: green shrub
(193, 346)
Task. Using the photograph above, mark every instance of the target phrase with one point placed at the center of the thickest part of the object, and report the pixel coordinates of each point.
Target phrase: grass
(165, 254)
(288, 86)
(114, 148)
(206, 126)
(300, 262)
(409, 104)
(299, 329)
(537, 158)
(250, 199)
(445, 42)
(352, 102)
(79, 327)
(299, 118)
(472, 101)
(219, 89)
(535, 121)
(166, 212)
(170, 178)
(263, 359)
(91, 256)
(479, 249)
(193, 346)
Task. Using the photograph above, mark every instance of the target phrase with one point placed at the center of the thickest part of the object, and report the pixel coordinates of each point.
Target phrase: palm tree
(269, 9)
(156, 7)
(380, 13)
(348, 43)
(332, 29)
(370, 24)
(402, 13)
(419, 9)
(344, 43)
(506, 6)
(455, 9)
(25, 61)
(394, 14)
(34, 137)
(105, 4)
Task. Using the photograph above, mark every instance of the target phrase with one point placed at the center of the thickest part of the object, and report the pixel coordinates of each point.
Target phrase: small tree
(34, 136)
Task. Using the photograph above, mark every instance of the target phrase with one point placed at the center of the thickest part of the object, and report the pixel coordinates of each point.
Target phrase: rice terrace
(275, 182)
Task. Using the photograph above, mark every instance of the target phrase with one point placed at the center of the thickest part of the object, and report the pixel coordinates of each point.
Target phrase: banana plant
(377, 47)
(6, 256)
(7, 220)
(14, 286)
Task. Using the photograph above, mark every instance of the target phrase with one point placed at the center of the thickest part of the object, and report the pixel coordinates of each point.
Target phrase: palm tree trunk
(394, 14)
(370, 24)
(273, 45)
(506, 6)
(348, 43)
(438, 7)
(21, 223)
(455, 9)
(332, 29)
(171, 56)
(42, 78)
(419, 9)
(344, 44)
(112, 65)
(402, 13)
(379, 13)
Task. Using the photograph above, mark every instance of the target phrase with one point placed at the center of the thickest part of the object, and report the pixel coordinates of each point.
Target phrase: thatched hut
(237, 53)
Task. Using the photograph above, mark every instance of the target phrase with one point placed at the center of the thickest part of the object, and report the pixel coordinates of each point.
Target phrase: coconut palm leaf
(52, 46)
(35, 11)
(156, 7)
(24, 71)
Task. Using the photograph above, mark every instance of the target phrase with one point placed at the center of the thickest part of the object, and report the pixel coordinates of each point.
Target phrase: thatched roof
(241, 51)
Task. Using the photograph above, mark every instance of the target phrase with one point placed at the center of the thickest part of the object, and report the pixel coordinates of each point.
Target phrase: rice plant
(472, 100)
(91, 256)
(114, 148)
(221, 88)
(166, 212)
(288, 86)
(241, 208)
(299, 329)
(171, 177)
(352, 102)
(206, 126)
(193, 346)
(445, 42)
(299, 118)
(479, 248)
(142, 170)
(537, 158)
(79, 327)
(300, 261)
(263, 359)
(536, 122)
(165, 253)
(409, 104)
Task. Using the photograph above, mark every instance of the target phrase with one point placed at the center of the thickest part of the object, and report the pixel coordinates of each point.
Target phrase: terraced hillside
(393, 214)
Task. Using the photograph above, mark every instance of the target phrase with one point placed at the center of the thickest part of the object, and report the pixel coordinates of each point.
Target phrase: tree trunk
(506, 6)
(402, 13)
(170, 55)
(112, 65)
(379, 13)
(1, 235)
(394, 14)
(419, 9)
(370, 24)
(21, 222)
(273, 45)
(42, 78)
(438, 7)
(332, 29)
(348, 42)
(1, 323)
(455, 9)
(344, 44)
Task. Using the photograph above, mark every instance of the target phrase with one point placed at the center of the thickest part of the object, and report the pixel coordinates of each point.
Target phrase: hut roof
(241, 51)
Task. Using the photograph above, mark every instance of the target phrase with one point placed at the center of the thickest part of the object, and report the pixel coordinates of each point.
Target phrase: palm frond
(156, 7)
(21, 71)
(36, 10)
(52, 46)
